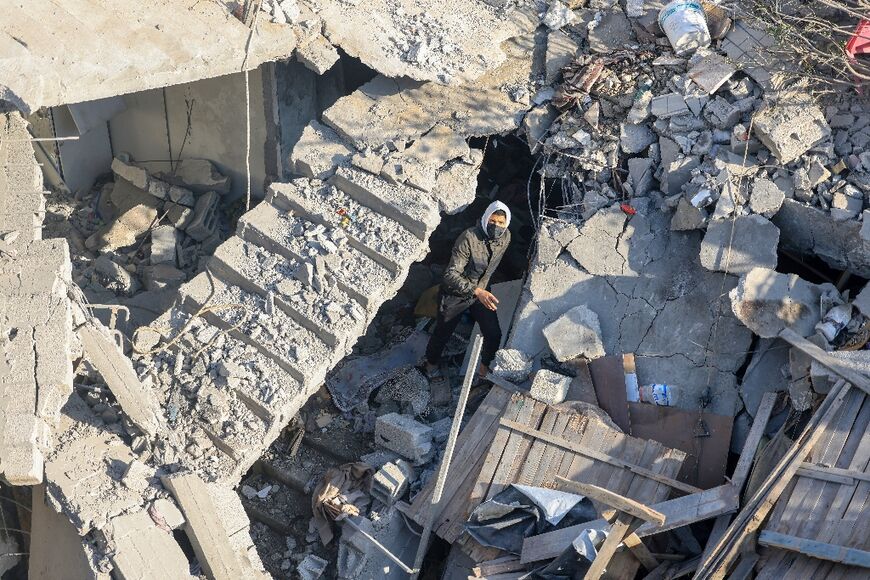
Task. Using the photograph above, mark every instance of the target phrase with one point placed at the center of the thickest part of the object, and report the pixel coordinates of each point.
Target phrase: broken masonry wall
(155, 126)
(652, 296)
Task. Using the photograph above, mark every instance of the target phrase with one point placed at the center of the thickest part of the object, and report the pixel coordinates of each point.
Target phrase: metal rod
(448, 455)
(40, 139)
(379, 546)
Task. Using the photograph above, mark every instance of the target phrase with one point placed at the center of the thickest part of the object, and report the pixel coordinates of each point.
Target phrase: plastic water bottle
(685, 24)
(660, 394)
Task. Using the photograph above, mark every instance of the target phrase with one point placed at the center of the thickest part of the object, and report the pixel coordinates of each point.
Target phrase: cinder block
(404, 435)
(391, 481)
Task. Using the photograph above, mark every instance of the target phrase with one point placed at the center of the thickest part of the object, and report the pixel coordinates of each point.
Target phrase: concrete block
(721, 113)
(791, 127)
(161, 276)
(687, 217)
(179, 215)
(405, 436)
(549, 387)
(391, 481)
(669, 105)
(753, 245)
(766, 301)
(576, 333)
(166, 511)
(311, 568)
(319, 151)
(766, 197)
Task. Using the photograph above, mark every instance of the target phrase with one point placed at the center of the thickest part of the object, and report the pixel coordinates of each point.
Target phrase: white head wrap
(494, 207)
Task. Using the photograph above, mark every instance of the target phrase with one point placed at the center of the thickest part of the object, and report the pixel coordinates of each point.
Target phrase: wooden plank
(571, 446)
(744, 568)
(750, 446)
(529, 468)
(816, 549)
(641, 552)
(618, 531)
(744, 464)
(852, 376)
(495, 451)
(608, 376)
(750, 518)
(824, 474)
(614, 500)
(499, 566)
(678, 512)
(517, 446)
(552, 456)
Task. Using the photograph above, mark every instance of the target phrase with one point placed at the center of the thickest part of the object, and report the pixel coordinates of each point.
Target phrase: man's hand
(486, 298)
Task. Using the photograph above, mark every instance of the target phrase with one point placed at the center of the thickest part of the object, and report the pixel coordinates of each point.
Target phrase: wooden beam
(744, 464)
(816, 549)
(613, 500)
(599, 456)
(743, 569)
(825, 359)
(640, 551)
(678, 512)
(498, 566)
(835, 474)
(749, 519)
(618, 531)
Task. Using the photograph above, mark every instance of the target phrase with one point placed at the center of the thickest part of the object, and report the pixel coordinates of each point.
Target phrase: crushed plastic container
(684, 23)
(660, 394)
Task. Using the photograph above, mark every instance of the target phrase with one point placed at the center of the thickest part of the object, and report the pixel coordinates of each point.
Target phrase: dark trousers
(485, 318)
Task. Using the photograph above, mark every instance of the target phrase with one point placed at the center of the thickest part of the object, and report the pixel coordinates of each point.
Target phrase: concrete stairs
(283, 300)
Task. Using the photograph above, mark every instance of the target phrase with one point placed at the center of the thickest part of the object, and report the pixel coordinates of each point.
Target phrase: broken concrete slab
(740, 245)
(809, 230)
(767, 302)
(196, 175)
(862, 301)
(640, 175)
(635, 138)
(612, 32)
(126, 228)
(791, 127)
(768, 371)
(136, 539)
(575, 333)
(319, 152)
(164, 240)
(536, 125)
(669, 105)
(205, 529)
(687, 217)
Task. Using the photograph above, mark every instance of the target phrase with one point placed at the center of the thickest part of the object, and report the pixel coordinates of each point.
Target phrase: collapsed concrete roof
(62, 53)
(449, 42)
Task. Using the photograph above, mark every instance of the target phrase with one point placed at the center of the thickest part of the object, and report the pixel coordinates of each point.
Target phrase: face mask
(494, 232)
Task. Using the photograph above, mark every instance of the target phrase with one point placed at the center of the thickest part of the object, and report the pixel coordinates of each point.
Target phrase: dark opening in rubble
(815, 270)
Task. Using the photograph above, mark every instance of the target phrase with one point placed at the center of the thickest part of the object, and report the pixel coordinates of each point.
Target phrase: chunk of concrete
(549, 387)
(847, 203)
(791, 127)
(677, 174)
(160, 276)
(687, 217)
(823, 379)
(197, 175)
(766, 197)
(317, 55)
(204, 222)
(612, 33)
(862, 301)
(512, 365)
(561, 50)
(114, 277)
(312, 567)
(640, 175)
(164, 240)
(404, 435)
(669, 105)
(766, 302)
(635, 138)
(575, 333)
(536, 123)
(136, 540)
(739, 245)
(319, 151)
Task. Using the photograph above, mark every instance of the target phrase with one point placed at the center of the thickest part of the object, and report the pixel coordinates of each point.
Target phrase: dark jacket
(474, 259)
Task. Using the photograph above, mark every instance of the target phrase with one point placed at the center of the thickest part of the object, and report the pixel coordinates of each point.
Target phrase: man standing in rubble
(476, 254)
